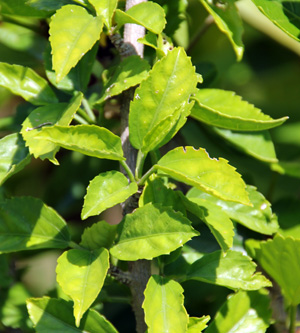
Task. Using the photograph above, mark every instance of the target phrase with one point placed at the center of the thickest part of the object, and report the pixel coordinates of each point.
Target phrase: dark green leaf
(20, 8)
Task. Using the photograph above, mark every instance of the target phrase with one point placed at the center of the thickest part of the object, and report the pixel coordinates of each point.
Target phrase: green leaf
(151, 231)
(25, 82)
(228, 20)
(100, 234)
(49, 5)
(259, 217)
(196, 168)
(61, 114)
(197, 325)
(284, 14)
(20, 8)
(243, 312)
(232, 270)
(27, 223)
(255, 144)
(105, 191)
(129, 73)
(279, 257)
(225, 109)
(73, 32)
(148, 14)
(55, 315)
(81, 275)
(106, 9)
(289, 168)
(163, 306)
(90, 140)
(167, 89)
(14, 156)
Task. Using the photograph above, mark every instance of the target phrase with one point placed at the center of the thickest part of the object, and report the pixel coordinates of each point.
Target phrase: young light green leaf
(279, 257)
(27, 223)
(243, 312)
(81, 275)
(130, 72)
(197, 325)
(73, 32)
(232, 270)
(25, 82)
(105, 191)
(285, 15)
(168, 87)
(256, 144)
(196, 168)
(259, 217)
(14, 156)
(100, 234)
(61, 114)
(225, 109)
(228, 21)
(163, 306)
(55, 315)
(151, 231)
(148, 14)
(90, 140)
(150, 39)
(106, 9)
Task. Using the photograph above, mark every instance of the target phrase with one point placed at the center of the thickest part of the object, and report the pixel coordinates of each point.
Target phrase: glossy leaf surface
(197, 325)
(105, 191)
(41, 227)
(243, 312)
(81, 275)
(25, 82)
(151, 231)
(148, 14)
(163, 306)
(224, 109)
(130, 72)
(259, 217)
(90, 140)
(55, 315)
(232, 270)
(73, 32)
(14, 156)
(106, 9)
(196, 168)
(168, 87)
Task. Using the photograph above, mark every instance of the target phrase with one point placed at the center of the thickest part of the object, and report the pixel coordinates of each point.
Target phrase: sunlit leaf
(25, 82)
(196, 168)
(14, 156)
(148, 14)
(105, 191)
(27, 223)
(151, 231)
(224, 109)
(73, 32)
(163, 306)
(243, 312)
(232, 270)
(197, 325)
(106, 9)
(81, 275)
(90, 140)
(55, 315)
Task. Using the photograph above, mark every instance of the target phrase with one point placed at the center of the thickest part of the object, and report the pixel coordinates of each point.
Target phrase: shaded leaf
(55, 315)
(225, 109)
(106, 9)
(197, 325)
(259, 217)
(196, 168)
(25, 82)
(232, 270)
(81, 275)
(14, 156)
(163, 306)
(243, 312)
(289, 168)
(20, 8)
(73, 32)
(105, 191)
(148, 14)
(27, 223)
(52, 5)
(151, 231)
(90, 140)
